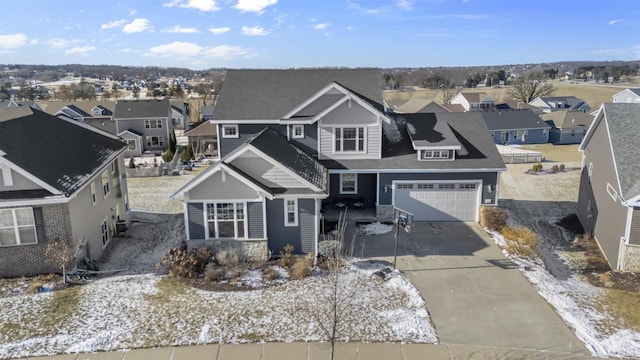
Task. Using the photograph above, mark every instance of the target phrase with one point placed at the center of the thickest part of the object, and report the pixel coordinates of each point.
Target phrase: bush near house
(520, 241)
(493, 218)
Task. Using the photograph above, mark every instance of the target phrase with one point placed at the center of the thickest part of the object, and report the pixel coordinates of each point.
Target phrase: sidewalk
(313, 351)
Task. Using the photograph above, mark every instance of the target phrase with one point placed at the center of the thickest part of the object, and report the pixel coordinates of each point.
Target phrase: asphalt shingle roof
(513, 119)
(270, 94)
(60, 153)
(623, 121)
(566, 119)
(154, 108)
(426, 130)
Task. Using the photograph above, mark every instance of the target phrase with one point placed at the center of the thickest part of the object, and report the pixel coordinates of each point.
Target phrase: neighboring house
(627, 96)
(516, 127)
(473, 101)
(13, 103)
(60, 179)
(98, 114)
(299, 146)
(203, 139)
(180, 114)
(206, 112)
(421, 106)
(609, 197)
(517, 105)
(567, 127)
(149, 119)
(554, 103)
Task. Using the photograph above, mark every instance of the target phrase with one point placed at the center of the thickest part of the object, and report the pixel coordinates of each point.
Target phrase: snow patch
(375, 228)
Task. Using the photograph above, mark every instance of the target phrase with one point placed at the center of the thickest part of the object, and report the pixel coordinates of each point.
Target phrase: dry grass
(520, 241)
(622, 308)
(557, 153)
(586, 256)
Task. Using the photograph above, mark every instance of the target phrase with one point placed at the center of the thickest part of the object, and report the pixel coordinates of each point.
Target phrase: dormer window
(298, 131)
(349, 139)
(97, 111)
(435, 154)
(230, 131)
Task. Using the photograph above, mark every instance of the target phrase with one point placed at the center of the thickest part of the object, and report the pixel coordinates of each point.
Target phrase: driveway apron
(475, 294)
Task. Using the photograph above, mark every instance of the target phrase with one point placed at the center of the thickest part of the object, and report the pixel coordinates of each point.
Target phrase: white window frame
(149, 141)
(590, 170)
(435, 154)
(106, 187)
(340, 139)
(287, 212)
(235, 135)
(355, 183)
(94, 197)
(295, 129)
(7, 179)
(104, 233)
(16, 228)
(113, 166)
(214, 220)
(157, 123)
(612, 192)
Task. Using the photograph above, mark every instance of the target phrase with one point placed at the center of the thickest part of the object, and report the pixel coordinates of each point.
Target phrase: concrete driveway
(474, 293)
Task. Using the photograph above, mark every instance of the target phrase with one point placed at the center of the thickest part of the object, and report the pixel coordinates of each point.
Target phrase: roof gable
(426, 132)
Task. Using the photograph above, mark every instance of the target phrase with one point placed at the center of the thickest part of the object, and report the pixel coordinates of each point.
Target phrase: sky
(203, 34)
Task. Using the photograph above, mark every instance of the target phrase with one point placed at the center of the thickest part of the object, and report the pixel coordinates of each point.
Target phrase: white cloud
(256, 6)
(228, 52)
(186, 50)
(219, 30)
(125, 50)
(80, 50)
(321, 26)
(350, 28)
(254, 31)
(136, 26)
(57, 43)
(405, 4)
(176, 48)
(13, 41)
(615, 21)
(202, 5)
(133, 12)
(181, 30)
(34, 42)
(112, 24)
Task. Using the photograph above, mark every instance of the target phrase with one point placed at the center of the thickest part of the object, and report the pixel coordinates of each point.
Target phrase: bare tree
(60, 253)
(448, 94)
(531, 86)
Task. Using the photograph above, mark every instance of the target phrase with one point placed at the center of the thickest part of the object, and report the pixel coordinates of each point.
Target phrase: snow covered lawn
(124, 312)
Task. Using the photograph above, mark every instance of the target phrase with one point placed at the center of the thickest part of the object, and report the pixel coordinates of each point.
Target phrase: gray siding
(534, 136)
(19, 182)
(372, 144)
(557, 136)
(488, 179)
(211, 189)
(265, 172)
(609, 222)
(245, 132)
(255, 220)
(634, 235)
(366, 188)
(301, 237)
(138, 125)
(195, 215)
(310, 141)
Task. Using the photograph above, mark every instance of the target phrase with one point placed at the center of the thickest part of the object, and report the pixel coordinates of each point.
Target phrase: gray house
(299, 146)
(609, 197)
(151, 119)
(631, 95)
(554, 103)
(567, 127)
(76, 192)
(516, 127)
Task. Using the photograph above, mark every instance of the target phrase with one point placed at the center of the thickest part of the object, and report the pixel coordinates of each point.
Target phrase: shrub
(329, 248)
(132, 164)
(186, 155)
(34, 287)
(493, 218)
(537, 167)
(555, 169)
(228, 257)
(270, 274)
(520, 241)
(287, 259)
(181, 262)
(167, 156)
(561, 168)
(302, 267)
(213, 273)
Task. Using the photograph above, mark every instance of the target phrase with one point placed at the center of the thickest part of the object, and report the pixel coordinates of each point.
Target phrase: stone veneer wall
(384, 212)
(252, 249)
(29, 260)
(631, 258)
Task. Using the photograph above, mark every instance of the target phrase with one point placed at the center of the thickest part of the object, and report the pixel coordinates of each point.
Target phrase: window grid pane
(24, 217)
(6, 218)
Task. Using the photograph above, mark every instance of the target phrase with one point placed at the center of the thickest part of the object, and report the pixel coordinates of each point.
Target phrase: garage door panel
(442, 202)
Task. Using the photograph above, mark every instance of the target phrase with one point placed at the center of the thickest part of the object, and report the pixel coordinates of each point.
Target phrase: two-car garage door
(450, 201)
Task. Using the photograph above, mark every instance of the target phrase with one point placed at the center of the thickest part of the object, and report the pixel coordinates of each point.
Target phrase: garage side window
(348, 183)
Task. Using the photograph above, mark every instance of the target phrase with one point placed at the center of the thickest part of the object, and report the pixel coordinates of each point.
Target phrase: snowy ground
(539, 202)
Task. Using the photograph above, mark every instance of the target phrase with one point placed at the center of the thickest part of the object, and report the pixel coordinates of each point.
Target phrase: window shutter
(39, 220)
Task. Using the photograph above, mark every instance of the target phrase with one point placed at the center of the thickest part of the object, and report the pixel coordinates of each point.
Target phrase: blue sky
(200, 34)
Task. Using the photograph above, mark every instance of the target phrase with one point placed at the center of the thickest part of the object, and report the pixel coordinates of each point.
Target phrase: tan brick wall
(631, 258)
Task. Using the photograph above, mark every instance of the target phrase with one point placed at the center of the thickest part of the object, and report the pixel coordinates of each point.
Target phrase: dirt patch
(617, 280)
(572, 224)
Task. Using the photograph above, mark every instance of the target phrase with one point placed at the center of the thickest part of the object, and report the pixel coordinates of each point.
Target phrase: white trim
(232, 126)
(132, 133)
(417, 171)
(355, 186)
(306, 196)
(16, 227)
(94, 195)
(293, 129)
(185, 215)
(365, 133)
(7, 179)
(286, 212)
(495, 199)
(627, 227)
(377, 188)
(264, 219)
(316, 227)
(29, 176)
(437, 147)
(223, 200)
(314, 97)
(216, 221)
(57, 199)
(104, 243)
(612, 192)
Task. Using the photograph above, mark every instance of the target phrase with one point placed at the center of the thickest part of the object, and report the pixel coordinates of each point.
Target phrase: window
(131, 144)
(404, 186)
(467, 186)
(590, 170)
(230, 131)
(612, 192)
(104, 233)
(105, 184)
(17, 227)
(7, 179)
(349, 139)
(153, 124)
(522, 135)
(544, 132)
(114, 166)
(155, 141)
(298, 131)
(447, 186)
(291, 213)
(573, 132)
(97, 111)
(435, 154)
(348, 183)
(226, 220)
(93, 194)
(425, 186)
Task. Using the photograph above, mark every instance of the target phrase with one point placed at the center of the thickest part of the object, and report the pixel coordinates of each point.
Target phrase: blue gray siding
(366, 189)
(557, 136)
(255, 220)
(245, 132)
(301, 237)
(195, 213)
(489, 183)
(310, 141)
(534, 136)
